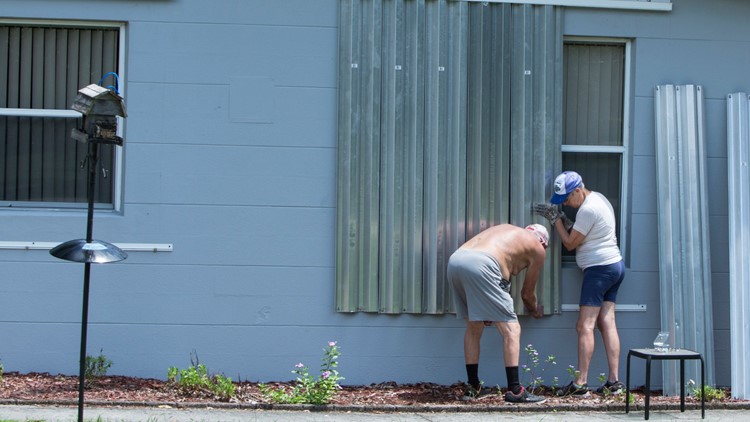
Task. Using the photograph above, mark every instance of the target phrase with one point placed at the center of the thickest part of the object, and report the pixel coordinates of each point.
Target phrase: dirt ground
(44, 387)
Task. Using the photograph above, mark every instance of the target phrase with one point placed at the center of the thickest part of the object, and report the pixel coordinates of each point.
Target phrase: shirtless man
(479, 272)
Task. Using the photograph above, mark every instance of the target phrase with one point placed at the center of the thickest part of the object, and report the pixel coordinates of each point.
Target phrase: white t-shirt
(595, 219)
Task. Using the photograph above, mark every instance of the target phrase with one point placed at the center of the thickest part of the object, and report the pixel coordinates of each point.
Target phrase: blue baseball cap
(564, 184)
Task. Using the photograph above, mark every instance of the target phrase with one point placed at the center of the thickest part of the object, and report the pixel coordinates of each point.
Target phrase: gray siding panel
(306, 172)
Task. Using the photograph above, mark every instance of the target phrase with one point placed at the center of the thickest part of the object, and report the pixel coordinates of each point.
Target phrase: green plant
(602, 380)
(196, 379)
(533, 369)
(573, 372)
(711, 393)
(96, 366)
(631, 398)
(308, 388)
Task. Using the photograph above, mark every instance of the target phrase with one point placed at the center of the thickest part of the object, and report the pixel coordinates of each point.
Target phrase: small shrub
(631, 398)
(608, 394)
(307, 388)
(602, 380)
(573, 372)
(711, 393)
(195, 380)
(533, 369)
(96, 366)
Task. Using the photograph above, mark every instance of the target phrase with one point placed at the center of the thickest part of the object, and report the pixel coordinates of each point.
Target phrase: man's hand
(529, 301)
(548, 211)
(567, 222)
(538, 312)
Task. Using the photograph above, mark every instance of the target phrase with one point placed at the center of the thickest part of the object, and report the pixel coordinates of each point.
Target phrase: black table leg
(703, 393)
(627, 386)
(682, 385)
(648, 384)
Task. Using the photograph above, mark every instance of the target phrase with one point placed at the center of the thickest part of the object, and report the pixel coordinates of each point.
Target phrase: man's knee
(509, 330)
(585, 327)
(474, 327)
(606, 318)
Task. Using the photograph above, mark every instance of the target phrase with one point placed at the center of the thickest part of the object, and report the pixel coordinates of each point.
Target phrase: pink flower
(331, 343)
(299, 365)
(326, 374)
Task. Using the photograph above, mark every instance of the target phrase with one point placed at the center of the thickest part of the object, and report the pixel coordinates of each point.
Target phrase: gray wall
(230, 156)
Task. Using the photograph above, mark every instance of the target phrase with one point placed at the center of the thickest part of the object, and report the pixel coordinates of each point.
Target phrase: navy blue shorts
(600, 284)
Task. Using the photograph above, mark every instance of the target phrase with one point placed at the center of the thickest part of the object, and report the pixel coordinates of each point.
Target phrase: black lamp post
(99, 107)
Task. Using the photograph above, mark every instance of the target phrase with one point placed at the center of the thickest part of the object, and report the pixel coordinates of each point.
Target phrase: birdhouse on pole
(100, 107)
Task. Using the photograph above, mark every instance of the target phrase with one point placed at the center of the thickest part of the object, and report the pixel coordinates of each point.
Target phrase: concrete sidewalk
(165, 414)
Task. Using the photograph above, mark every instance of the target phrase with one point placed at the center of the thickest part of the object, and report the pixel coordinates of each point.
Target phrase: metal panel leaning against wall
(738, 159)
(426, 124)
(684, 252)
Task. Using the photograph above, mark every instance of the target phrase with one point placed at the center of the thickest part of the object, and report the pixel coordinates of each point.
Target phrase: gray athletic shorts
(480, 293)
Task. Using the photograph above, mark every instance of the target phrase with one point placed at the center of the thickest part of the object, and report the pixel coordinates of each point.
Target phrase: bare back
(513, 247)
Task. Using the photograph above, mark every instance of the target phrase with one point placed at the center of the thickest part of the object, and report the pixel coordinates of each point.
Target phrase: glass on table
(661, 342)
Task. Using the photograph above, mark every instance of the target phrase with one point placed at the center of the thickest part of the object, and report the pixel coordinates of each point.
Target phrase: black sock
(513, 384)
(472, 371)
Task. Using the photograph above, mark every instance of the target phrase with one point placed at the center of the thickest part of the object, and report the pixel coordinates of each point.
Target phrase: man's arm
(528, 291)
(571, 239)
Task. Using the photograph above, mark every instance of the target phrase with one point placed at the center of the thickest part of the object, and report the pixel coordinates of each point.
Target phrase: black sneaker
(523, 396)
(611, 388)
(573, 389)
(472, 393)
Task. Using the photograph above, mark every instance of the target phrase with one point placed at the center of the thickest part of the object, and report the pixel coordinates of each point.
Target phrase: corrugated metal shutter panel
(446, 126)
(738, 159)
(684, 252)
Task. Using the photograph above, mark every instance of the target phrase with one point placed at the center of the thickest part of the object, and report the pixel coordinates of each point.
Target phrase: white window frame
(72, 114)
(623, 150)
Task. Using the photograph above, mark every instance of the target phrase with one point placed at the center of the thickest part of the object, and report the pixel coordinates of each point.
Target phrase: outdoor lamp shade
(94, 252)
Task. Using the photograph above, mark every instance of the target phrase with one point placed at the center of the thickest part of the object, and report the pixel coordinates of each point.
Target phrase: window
(594, 127)
(42, 67)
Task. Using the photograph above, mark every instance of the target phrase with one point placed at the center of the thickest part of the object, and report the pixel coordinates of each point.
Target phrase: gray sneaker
(573, 389)
(523, 396)
(611, 388)
(472, 393)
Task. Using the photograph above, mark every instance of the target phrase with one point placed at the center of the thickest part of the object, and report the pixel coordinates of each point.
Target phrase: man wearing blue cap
(594, 238)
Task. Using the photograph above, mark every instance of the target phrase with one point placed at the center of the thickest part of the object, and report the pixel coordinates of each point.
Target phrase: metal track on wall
(738, 159)
(682, 207)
